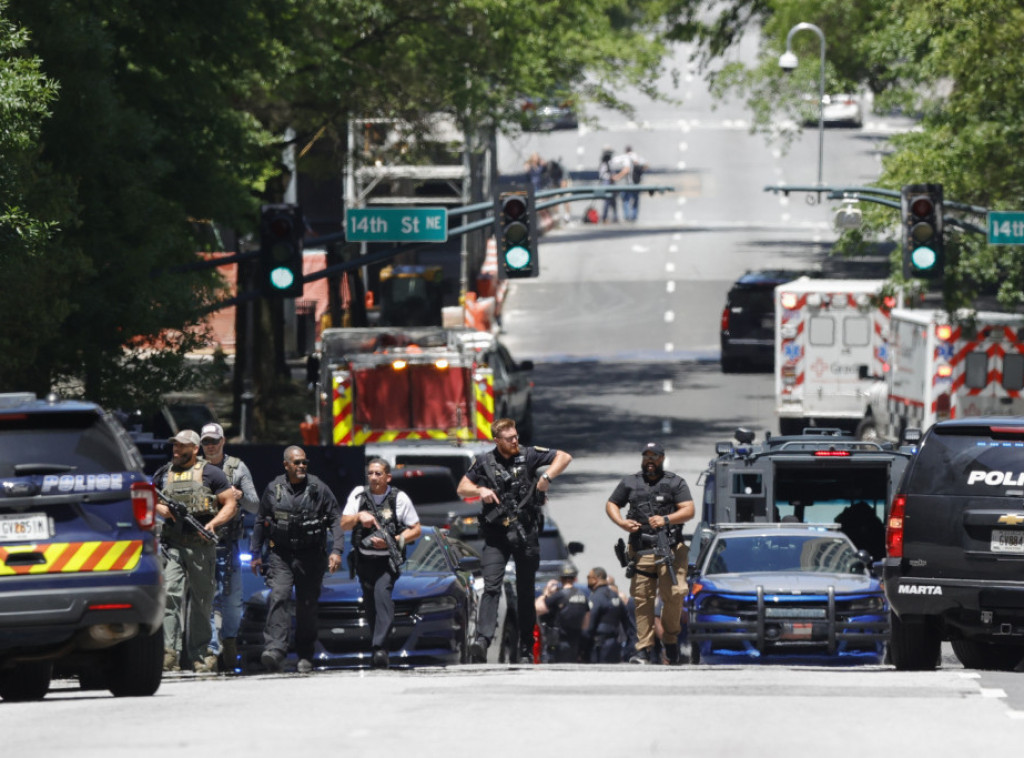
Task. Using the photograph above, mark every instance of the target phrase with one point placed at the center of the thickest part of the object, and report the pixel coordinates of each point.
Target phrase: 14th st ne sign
(396, 225)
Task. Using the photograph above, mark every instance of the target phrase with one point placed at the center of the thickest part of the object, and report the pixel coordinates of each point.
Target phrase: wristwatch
(545, 476)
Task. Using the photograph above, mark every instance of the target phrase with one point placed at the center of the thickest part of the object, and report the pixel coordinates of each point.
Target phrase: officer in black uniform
(609, 619)
(563, 611)
(505, 479)
(657, 499)
(296, 514)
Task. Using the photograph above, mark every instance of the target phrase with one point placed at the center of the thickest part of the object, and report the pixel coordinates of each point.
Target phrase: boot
(229, 654)
(171, 662)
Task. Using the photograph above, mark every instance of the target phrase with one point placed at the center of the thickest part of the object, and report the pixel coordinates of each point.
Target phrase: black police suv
(80, 583)
(955, 547)
(748, 320)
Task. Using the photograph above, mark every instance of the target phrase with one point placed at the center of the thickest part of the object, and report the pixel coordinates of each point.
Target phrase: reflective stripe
(74, 557)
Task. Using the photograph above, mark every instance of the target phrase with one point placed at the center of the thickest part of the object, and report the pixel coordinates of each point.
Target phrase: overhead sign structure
(1006, 227)
(396, 225)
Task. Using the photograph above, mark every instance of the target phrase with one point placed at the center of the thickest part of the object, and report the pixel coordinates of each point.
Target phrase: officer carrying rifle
(505, 479)
(659, 504)
(383, 521)
(297, 513)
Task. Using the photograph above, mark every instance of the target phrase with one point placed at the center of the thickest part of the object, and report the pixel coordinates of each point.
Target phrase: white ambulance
(831, 344)
(942, 368)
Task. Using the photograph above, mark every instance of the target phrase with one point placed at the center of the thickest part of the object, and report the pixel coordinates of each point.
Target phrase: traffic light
(281, 233)
(517, 233)
(923, 250)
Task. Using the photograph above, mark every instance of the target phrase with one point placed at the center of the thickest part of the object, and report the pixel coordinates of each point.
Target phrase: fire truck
(397, 384)
(831, 344)
(942, 368)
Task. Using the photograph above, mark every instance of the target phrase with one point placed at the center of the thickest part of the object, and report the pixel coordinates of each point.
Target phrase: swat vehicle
(821, 476)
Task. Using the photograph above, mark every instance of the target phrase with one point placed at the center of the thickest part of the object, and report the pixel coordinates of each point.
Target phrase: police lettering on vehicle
(997, 478)
(919, 589)
(84, 482)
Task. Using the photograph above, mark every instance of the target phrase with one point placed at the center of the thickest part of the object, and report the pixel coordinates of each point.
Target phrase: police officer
(657, 499)
(505, 479)
(369, 511)
(609, 618)
(189, 559)
(564, 611)
(227, 600)
(296, 514)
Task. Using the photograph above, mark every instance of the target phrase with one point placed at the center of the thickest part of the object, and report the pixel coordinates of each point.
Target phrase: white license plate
(24, 527)
(1007, 541)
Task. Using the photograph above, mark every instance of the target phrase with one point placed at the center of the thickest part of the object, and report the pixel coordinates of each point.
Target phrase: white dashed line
(670, 316)
(670, 287)
(666, 386)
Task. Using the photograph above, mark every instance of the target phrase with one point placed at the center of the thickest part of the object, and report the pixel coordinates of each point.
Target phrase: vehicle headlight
(719, 604)
(873, 603)
(437, 604)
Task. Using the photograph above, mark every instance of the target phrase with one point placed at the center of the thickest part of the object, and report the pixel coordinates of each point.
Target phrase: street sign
(396, 225)
(1006, 227)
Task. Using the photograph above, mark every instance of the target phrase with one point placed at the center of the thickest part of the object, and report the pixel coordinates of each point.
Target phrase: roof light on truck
(399, 365)
(441, 363)
(944, 332)
(788, 300)
(944, 371)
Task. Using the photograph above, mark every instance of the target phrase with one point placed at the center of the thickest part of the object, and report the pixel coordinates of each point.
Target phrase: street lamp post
(788, 62)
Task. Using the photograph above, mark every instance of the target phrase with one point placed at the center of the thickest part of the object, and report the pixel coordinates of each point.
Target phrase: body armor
(644, 502)
(301, 526)
(512, 486)
(187, 486)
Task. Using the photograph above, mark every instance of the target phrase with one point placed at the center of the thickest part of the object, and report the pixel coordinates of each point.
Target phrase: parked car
(81, 592)
(783, 592)
(547, 114)
(955, 547)
(435, 610)
(748, 320)
(843, 109)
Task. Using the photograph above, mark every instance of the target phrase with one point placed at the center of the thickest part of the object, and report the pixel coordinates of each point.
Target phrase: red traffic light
(280, 226)
(514, 208)
(922, 206)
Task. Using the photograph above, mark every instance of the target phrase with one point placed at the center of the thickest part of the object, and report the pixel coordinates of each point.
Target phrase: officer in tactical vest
(657, 499)
(297, 514)
(189, 559)
(564, 612)
(610, 622)
(505, 479)
(227, 600)
(370, 512)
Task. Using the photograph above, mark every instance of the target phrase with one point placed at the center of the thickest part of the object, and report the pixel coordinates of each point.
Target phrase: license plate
(797, 632)
(1007, 541)
(24, 527)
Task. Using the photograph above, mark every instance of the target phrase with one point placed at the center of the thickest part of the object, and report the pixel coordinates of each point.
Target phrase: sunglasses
(303, 462)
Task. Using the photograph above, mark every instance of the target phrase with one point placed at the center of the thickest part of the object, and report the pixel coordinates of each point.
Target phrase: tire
(26, 681)
(978, 654)
(867, 430)
(914, 644)
(731, 365)
(136, 666)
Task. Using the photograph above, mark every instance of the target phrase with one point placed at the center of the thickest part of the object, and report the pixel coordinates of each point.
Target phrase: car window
(781, 553)
(971, 462)
(756, 301)
(427, 556)
(77, 440)
(424, 490)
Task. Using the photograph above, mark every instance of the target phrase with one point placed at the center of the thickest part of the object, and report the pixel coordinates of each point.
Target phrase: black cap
(653, 447)
(569, 571)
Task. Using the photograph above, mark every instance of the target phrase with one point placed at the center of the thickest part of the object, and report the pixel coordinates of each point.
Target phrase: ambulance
(943, 368)
(831, 345)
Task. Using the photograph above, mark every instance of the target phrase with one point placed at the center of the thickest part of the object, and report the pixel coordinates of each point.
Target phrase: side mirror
(525, 365)
(575, 548)
(691, 572)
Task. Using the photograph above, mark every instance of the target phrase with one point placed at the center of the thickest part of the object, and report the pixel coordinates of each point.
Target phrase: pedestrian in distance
(657, 499)
(609, 171)
(380, 517)
(536, 171)
(297, 514)
(608, 626)
(191, 492)
(564, 611)
(511, 493)
(631, 199)
(227, 599)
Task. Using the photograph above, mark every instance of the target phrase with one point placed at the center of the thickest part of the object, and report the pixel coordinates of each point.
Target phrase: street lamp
(788, 62)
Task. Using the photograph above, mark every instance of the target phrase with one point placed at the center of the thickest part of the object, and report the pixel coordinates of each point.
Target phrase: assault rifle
(507, 511)
(396, 556)
(182, 514)
(662, 550)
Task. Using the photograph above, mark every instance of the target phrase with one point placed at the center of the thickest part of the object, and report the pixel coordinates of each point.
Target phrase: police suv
(821, 476)
(81, 592)
(955, 547)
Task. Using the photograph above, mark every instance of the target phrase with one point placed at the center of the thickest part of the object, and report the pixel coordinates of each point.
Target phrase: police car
(80, 584)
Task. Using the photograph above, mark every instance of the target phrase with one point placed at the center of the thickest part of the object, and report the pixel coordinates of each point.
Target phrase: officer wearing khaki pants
(657, 499)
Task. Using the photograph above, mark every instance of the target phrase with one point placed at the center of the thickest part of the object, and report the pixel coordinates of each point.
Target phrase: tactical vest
(187, 486)
(645, 502)
(388, 510)
(233, 531)
(513, 486)
(301, 527)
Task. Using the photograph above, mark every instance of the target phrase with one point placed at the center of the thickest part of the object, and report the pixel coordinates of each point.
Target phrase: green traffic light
(517, 257)
(923, 258)
(281, 278)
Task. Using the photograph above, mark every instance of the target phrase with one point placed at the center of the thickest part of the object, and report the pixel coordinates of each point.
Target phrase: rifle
(181, 513)
(662, 548)
(396, 556)
(508, 511)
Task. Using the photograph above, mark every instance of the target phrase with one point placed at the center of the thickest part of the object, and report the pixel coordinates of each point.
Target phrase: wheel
(25, 681)
(867, 430)
(978, 654)
(731, 365)
(137, 665)
(914, 644)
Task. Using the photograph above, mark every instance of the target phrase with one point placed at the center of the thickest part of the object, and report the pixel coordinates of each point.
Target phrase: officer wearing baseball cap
(657, 499)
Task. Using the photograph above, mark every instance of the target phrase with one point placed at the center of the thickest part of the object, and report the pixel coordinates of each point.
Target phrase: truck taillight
(944, 371)
(831, 453)
(942, 406)
(894, 528)
(725, 319)
(144, 504)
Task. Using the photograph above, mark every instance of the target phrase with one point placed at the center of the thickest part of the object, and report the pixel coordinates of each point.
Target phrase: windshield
(816, 553)
(79, 441)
